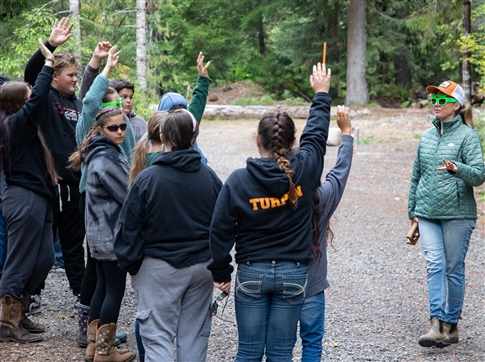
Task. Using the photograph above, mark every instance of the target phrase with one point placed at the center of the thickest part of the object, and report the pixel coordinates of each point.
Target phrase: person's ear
(456, 106)
(258, 141)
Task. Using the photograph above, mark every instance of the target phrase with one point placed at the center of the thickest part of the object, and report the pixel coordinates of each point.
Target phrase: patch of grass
(399, 150)
(369, 140)
(265, 100)
(416, 136)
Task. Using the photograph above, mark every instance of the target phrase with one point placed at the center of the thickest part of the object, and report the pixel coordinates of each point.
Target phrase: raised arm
(61, 32)
(331, 191)
(27, 119)
(201, 90)
(92, 70)
(92, 102)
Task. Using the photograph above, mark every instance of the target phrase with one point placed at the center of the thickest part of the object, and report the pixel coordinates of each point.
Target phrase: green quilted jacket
(442, 194)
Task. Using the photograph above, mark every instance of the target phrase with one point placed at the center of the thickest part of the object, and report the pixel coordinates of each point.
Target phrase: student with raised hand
(29, 171)
(58, 119)
(326, 200)
(97, 96)
(162, 240)
(171, 101)
(266, 210)
(106, 189)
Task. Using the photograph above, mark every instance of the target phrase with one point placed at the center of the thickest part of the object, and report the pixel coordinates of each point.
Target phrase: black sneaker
(35, 305)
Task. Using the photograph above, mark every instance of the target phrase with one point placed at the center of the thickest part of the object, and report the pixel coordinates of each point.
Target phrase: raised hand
(101, 51)
(200, 66)
(45, 52)
(113, 58)
(61, 32)
(320, 78)
(343, 120)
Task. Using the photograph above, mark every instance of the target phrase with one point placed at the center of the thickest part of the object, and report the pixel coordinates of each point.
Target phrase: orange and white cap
(449, 88)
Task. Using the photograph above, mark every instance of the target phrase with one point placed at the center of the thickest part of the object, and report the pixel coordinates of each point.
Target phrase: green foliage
(272, 43)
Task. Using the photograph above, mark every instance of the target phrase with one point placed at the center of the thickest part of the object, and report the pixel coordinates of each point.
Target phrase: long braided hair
(276, 132)
(13, 96)
(77, 158)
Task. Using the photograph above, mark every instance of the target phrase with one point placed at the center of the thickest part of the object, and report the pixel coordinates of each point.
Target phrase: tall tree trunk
(75, 14)
(357, 92)
(262, 44)
(141, 50)
(466, 66)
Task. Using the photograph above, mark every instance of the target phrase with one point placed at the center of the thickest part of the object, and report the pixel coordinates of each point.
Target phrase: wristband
(51, 59)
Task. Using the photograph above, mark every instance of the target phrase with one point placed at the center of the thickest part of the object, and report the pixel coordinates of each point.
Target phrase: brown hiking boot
(435, 337)
(105, 349)
(27, 323)
(451, 332)
(11, 328)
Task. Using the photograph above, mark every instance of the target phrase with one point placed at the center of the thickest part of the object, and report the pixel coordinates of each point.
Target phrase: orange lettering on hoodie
(272, 202)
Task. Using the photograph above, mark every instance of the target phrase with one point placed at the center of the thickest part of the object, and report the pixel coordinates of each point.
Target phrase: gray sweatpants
(30, 250)
(173, 303)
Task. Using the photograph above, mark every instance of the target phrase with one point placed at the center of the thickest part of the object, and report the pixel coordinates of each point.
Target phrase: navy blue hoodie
(58, 117)
(253, 211)
(167, 212)
(24, 160)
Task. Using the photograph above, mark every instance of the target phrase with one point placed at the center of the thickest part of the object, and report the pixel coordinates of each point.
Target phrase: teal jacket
(443, 194)
(92, 104)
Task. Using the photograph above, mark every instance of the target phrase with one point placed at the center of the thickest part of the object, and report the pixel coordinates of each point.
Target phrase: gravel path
(377, 301)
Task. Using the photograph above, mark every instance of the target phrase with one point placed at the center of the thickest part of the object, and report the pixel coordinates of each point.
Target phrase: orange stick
(324, 58)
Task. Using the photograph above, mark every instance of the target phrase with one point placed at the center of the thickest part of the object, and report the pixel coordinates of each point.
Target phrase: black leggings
(110, 289)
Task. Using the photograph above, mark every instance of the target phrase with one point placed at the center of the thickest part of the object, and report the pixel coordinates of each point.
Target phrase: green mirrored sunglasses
(118, 103)
(442, 99)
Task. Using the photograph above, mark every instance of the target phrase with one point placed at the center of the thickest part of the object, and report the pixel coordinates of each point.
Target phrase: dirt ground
(377, 299)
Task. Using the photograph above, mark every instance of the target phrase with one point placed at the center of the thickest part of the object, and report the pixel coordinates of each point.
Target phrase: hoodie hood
(96, 145)
(267, 173)
(184, 160)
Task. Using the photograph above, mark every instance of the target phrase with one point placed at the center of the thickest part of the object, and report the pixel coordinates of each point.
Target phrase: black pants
(69, 221)
(30, 252)
(110, 289)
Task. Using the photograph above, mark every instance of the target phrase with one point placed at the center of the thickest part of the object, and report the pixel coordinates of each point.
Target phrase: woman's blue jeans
(445, 244)
(312, 326)
(268, 299)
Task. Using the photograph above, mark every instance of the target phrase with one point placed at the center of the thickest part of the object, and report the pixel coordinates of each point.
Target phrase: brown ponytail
(466, 114)
(276, 132)
(49, 160)
(141, 150)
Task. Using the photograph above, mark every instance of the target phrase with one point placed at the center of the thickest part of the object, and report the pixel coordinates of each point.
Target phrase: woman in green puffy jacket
(448, 164)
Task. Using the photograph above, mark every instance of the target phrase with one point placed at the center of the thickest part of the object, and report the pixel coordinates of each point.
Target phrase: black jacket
(23, 158)
(58, 117)
(252, 210)
(167, 212)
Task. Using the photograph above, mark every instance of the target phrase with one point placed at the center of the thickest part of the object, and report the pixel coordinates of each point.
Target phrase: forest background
(380, 51)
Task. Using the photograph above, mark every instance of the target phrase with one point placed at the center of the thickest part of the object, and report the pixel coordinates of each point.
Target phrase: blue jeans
(312, 327)
(3, 230)
(445, 244)
(268, 300)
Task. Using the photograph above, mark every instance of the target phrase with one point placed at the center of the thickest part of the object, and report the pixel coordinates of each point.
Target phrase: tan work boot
(105, 346)
(27, 323)
(435, 337)
(451, 332)
(10, 327)
(91, 334)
